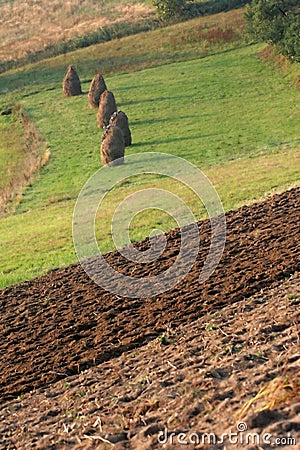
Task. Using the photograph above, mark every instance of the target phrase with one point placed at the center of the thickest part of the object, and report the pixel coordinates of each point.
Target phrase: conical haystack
(97, 88)
(71, 83)
(107, 107)
(112, 147)
(120, 119)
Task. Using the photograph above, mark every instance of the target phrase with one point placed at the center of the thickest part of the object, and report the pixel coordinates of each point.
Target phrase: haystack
(112, 146)
(71, 83)
(107, 107)
(120, 119)
(97, 88)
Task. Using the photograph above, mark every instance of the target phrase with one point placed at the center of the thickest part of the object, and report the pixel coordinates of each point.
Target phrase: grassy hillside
(209, 111)
(59, 21)
(183, 41)
(228, 112)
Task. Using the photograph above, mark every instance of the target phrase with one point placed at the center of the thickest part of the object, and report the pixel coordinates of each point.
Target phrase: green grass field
(218, 106)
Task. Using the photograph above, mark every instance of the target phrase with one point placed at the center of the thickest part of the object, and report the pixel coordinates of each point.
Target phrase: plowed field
(63, 323)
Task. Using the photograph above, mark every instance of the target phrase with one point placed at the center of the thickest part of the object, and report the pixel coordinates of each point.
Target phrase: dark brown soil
(61, 324)
(198, 378)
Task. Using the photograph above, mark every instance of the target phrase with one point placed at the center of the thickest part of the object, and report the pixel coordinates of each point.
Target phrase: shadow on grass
(158, 99)
(159, 120)
(171, 139)
(213, 7)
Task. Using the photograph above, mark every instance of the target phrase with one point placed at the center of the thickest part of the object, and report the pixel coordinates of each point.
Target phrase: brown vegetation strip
(63, 322)
(32, 154)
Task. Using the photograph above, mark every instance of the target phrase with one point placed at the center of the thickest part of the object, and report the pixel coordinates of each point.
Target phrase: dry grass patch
(278, 392)
(27, 27)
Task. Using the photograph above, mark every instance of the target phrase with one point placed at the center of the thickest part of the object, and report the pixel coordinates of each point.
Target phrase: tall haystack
(71, 82)
(97, 88)
(112, 147)
(107, 107)
(120, 119)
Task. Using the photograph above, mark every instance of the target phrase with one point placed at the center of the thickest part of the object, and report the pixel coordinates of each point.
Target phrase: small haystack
(112, 147)
(107, 107)
(97, 88)
(120, 119)
(71, 83)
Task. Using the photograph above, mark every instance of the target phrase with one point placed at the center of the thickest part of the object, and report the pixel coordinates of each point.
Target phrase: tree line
(274, 21)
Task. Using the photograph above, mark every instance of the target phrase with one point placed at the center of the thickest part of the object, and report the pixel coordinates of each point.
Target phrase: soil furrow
(63, 322)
